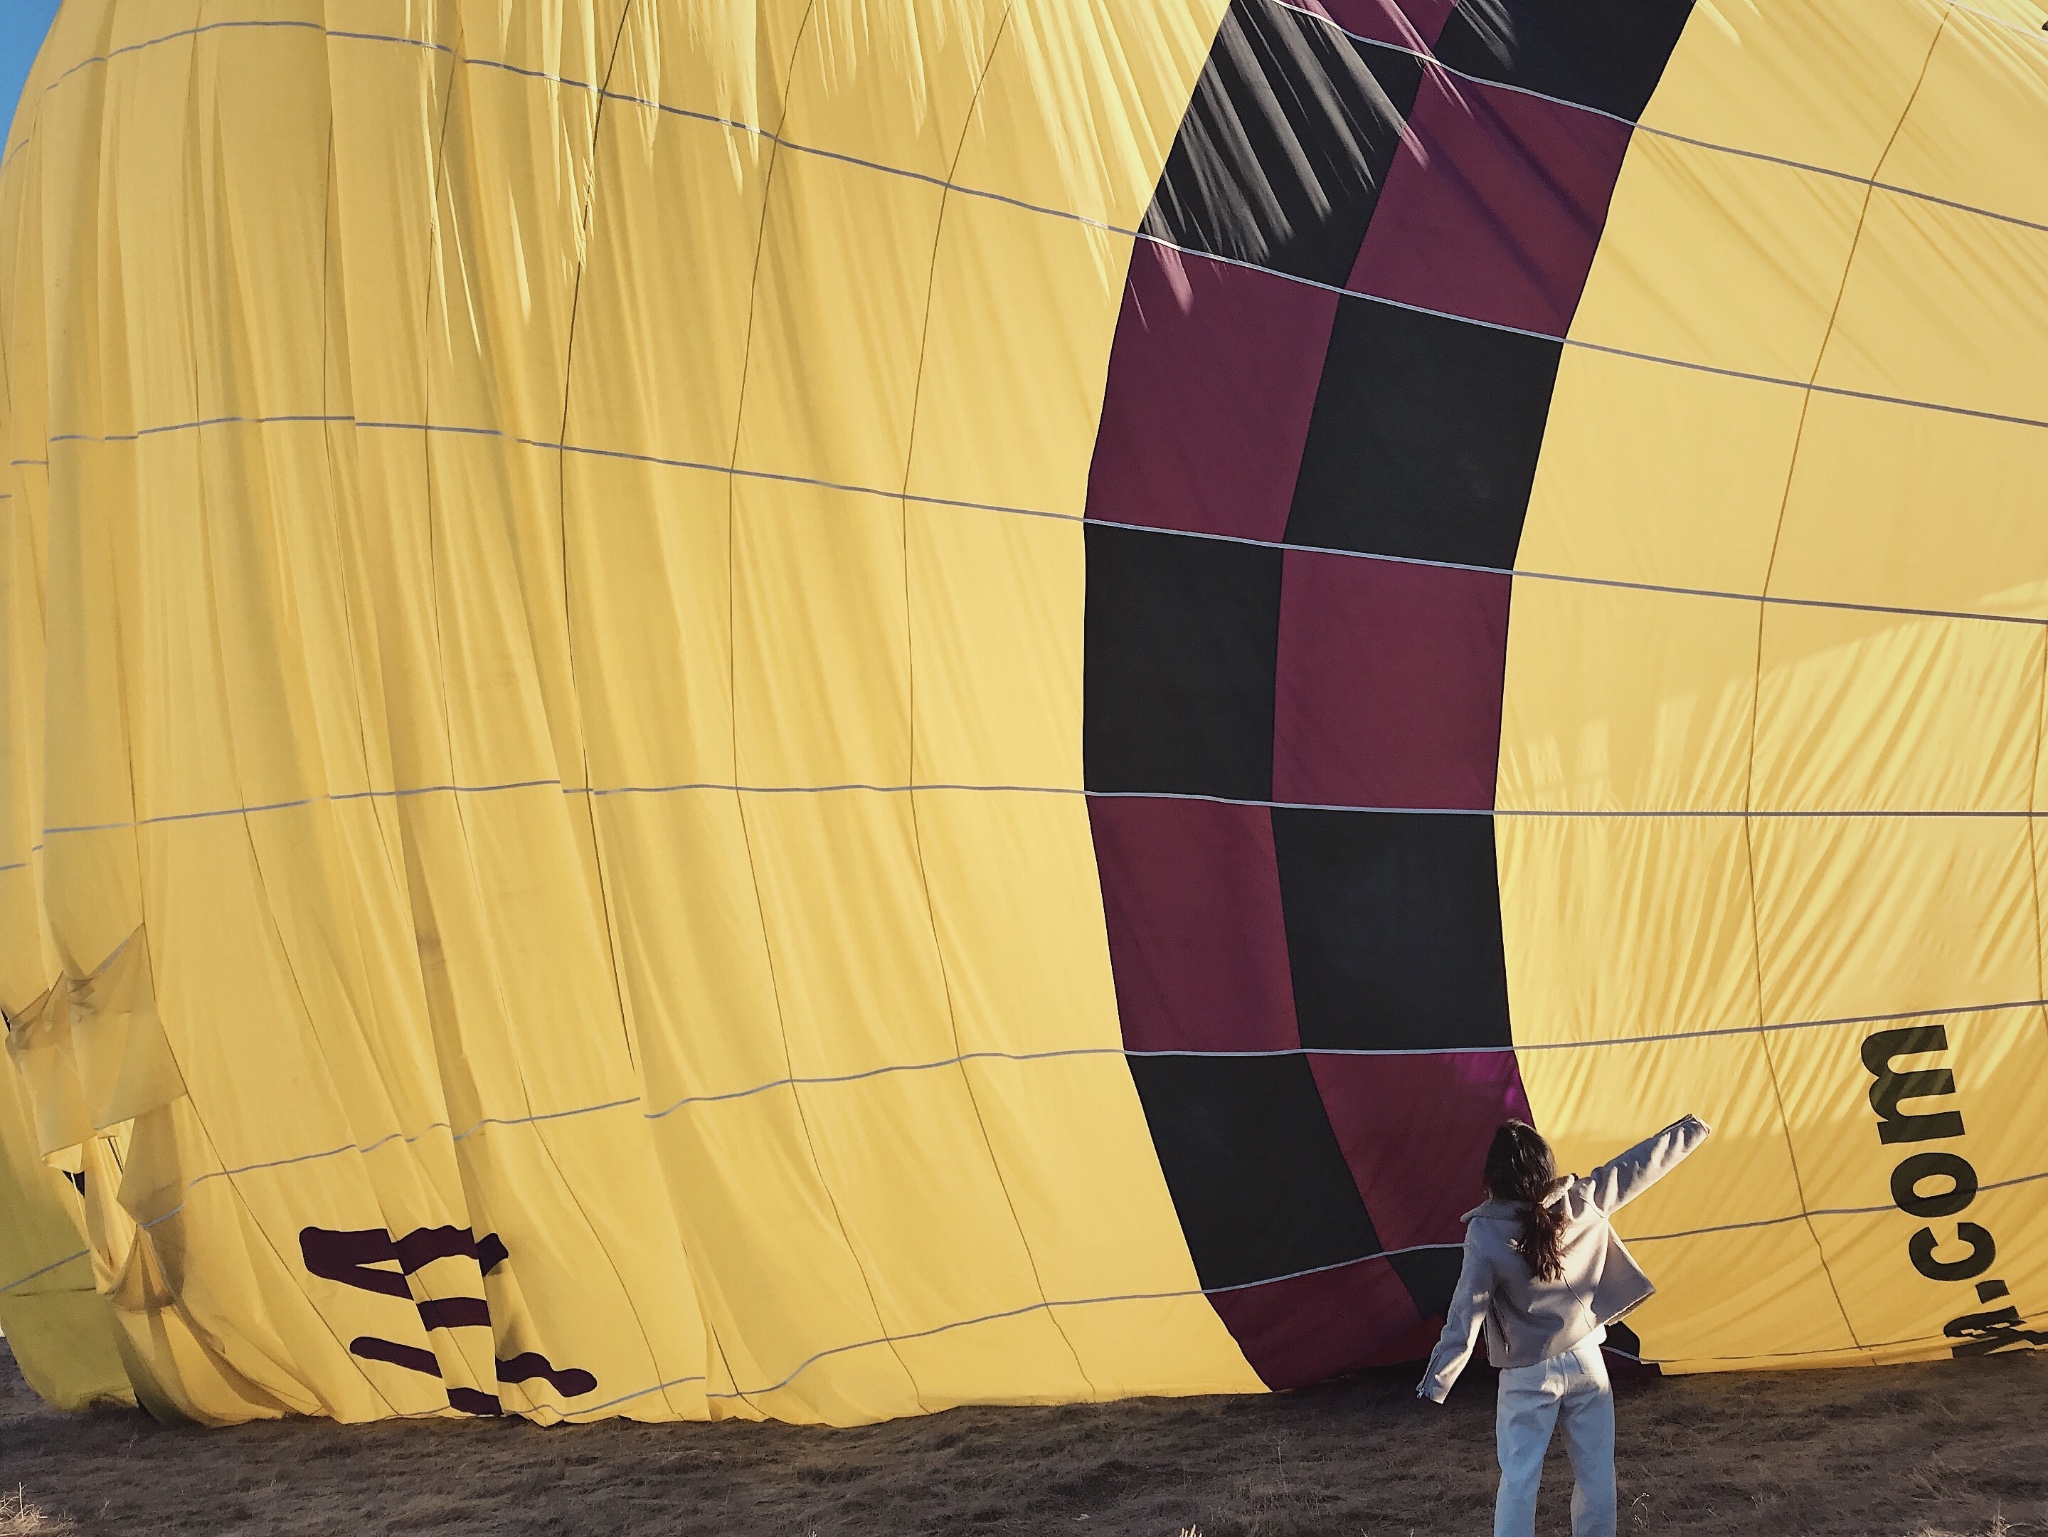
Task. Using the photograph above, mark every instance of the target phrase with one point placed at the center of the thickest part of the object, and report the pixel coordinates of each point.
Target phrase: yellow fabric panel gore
(1985, 554)
(480, 497)
(1714, 259)
(1819, 81)
(1979, 96)
(1831, 880)
(1644, 704)
(1618, 424)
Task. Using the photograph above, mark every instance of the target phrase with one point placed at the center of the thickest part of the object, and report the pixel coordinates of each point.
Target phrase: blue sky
(22, 25)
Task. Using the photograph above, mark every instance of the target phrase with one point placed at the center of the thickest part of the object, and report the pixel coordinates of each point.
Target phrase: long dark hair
(1519, 1167)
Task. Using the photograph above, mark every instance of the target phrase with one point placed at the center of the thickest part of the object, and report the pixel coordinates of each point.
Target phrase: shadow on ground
(1918, 1451)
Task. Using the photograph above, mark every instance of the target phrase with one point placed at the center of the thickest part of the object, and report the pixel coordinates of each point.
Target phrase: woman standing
(1544, 1275)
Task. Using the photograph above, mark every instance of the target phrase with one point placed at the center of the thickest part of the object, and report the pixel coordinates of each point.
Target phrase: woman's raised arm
(1620, 1180)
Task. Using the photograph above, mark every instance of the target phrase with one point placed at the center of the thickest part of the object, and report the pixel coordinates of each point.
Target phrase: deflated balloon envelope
(813, 712)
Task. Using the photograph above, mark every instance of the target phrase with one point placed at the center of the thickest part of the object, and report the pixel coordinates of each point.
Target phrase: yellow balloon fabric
(421, 471)
(1785, 668)
(605, 810)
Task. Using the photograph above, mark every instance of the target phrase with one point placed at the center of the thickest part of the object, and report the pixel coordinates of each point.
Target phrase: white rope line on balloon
(893, 1338)
(1037, 1307)
(334, 1152)
(1029, 1056)
(1818, 1350)
(1177, 1295)
(585, 450)
(1820, 1211)
(1545, 813)
(1510, 813)
(1518, 1048)
(1636, 125)
(545, 1116)
(849, 785)
(1837, 391)
(713, 119)
(900, 1338)
(1168, 1296)
(330, 798)
(1628, 353)
(198, 30)
(1607, 349)
(779, 477)
(341, 796)
(1127, 1053)
(626, 1398)
(1566, 340)
(69, 1259)
(1531, 575)
(1211, 1291)
(805, 1081)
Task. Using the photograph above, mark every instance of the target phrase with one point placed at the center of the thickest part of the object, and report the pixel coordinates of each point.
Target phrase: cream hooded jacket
(1527, 1320)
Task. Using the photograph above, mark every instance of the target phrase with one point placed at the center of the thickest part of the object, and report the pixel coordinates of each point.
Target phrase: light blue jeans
(1570, 1388)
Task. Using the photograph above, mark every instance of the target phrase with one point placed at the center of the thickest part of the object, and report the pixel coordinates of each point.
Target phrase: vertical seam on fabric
(1756, 690)
(248, 831)
(733, 701)
(433, 255)
(435, 247)
(732, 644)
(433, 284)
(327, 436)
(562, 523)
(142, 891)
(337, 512)
(248, 1211)
(910, 669)
(2033, 817)
(540, 1131)
(205, 524)
(440, 145)
(715, 1345)
(40, 879)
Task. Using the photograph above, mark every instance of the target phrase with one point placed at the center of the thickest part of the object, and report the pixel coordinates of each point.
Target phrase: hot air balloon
(815, 711)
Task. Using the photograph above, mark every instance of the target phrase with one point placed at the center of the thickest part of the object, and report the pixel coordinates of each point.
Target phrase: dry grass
(1952, 1449)
(18, 1518)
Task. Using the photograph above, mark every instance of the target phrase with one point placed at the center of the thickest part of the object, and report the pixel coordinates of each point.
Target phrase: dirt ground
(1918, 1451)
